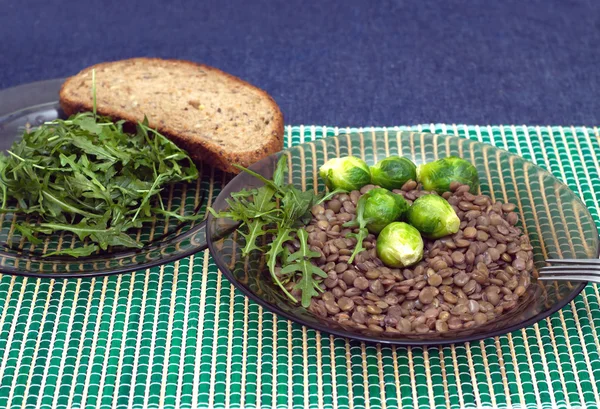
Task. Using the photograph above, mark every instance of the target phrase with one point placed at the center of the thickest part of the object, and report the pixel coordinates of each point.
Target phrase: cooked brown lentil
(464, 280)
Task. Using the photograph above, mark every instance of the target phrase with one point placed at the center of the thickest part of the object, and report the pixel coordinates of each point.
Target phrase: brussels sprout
(383, 207)
(348, 173)
(399, 245)
(439, 174)
(393, 172)
(433, 216)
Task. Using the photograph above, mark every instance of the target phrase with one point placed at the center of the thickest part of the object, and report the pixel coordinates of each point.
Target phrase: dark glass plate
(557, 222)
(165, 239)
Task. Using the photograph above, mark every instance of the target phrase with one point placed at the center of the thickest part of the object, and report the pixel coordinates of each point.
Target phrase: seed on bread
(216, 117)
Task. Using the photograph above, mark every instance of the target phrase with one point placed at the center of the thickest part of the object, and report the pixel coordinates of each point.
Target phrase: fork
(571, 270)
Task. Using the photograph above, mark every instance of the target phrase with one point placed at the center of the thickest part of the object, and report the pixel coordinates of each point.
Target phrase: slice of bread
(216, 117)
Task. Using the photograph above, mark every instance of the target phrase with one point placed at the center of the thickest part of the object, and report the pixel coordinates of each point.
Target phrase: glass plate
(165, 239)
(557, 222)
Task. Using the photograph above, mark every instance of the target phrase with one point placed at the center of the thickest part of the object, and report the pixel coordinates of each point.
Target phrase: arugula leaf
(244, 193)
(76, 252)
(330, 195)
(300, 262)
(56, 204)
(98, 233)
(28, 233)
(362, 228)
(255, 228)
(275, 249)
(258, 176)
(88, 124)
(262, 199)
(175, 213)
(89, 146)
(296, 204)
(280, 171)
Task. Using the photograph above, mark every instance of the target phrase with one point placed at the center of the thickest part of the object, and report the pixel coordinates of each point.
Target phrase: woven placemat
(180, 335)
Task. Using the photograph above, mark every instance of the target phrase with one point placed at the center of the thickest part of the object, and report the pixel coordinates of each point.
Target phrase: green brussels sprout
(439, 174)
(348, 173)
(399, 245)
(393, 172)
(433, 216)
(383, 207)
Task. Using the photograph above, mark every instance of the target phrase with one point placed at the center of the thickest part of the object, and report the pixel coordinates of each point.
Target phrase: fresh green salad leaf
(361, 223)
(256, 230)
(275, 249)
(279, 172)
(299, 262)
(76, 252)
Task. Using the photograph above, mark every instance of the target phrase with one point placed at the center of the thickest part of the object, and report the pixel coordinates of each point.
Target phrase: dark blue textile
(340, 62)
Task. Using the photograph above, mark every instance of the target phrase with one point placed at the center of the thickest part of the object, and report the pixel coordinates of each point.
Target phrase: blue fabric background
(340, 62)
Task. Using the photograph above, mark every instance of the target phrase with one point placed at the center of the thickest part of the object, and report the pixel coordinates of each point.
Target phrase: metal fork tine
(571, 268)
(586, 262)
(559, 277)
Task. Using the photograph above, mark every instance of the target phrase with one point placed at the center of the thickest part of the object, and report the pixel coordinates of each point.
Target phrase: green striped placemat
(181, 336)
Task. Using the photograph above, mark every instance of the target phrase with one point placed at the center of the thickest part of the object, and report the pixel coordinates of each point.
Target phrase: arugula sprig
(281, 210)
(274, 203)
(299, 262)
(277, 249)
(361, 223)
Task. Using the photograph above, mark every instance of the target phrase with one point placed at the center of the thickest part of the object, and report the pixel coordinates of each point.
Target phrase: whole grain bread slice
(216, 117)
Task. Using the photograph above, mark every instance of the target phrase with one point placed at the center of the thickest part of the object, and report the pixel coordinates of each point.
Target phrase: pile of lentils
(464, 280)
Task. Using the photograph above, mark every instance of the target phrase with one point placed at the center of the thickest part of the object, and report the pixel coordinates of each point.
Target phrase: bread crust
(200, 150)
